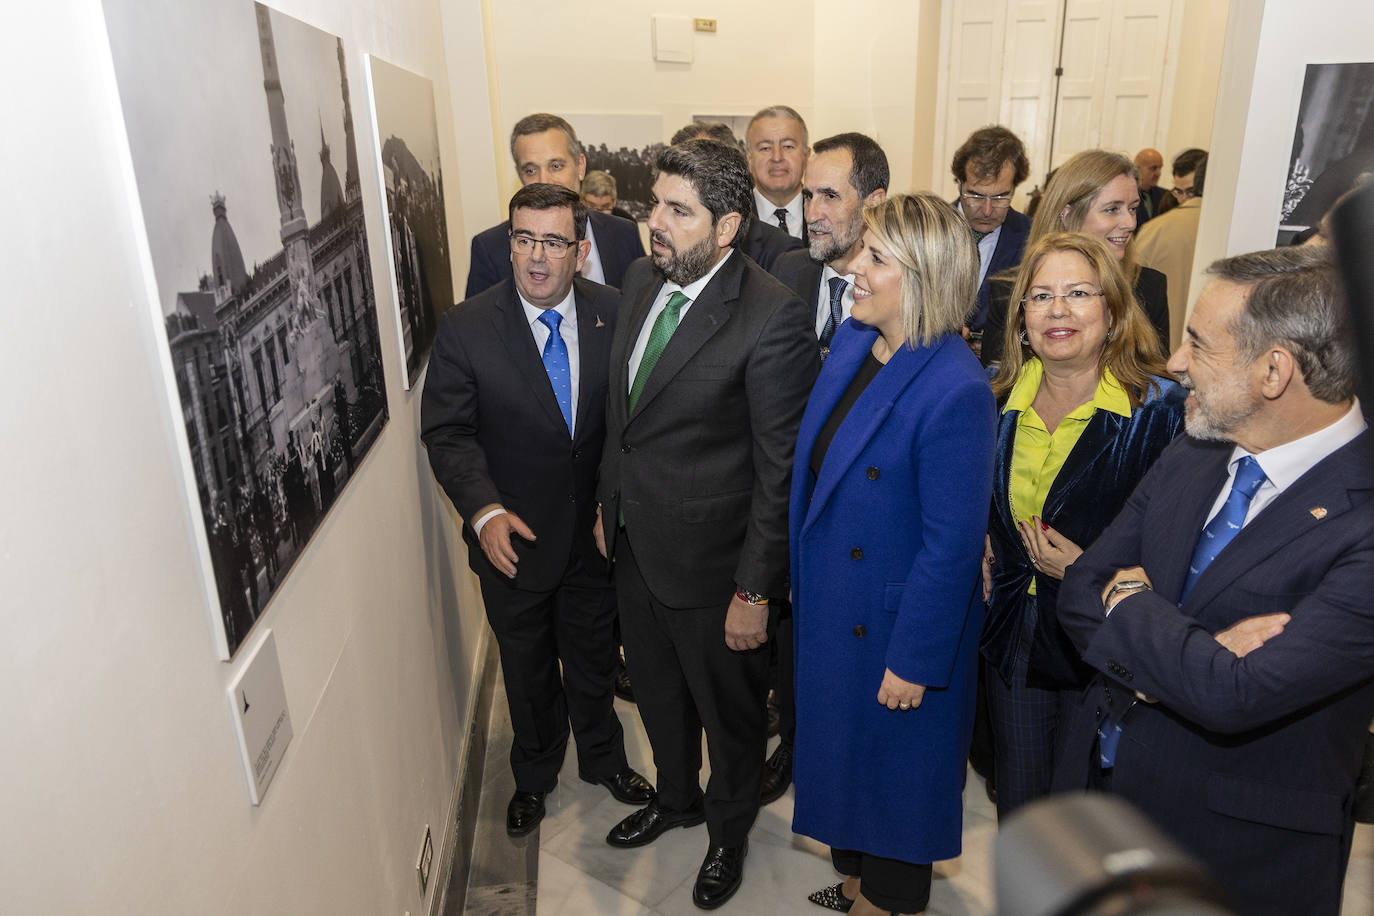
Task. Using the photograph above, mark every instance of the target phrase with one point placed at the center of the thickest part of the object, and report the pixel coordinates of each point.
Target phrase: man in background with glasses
(514, 416)
(987, 168)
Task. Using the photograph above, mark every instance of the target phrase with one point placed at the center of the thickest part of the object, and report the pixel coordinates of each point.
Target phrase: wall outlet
(704, 25)
(424, 860)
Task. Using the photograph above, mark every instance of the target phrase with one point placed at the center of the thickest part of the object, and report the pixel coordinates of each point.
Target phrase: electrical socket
(704, 25)
(424, 860)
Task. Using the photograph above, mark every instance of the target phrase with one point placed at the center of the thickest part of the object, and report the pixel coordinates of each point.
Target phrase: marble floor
(565, 867)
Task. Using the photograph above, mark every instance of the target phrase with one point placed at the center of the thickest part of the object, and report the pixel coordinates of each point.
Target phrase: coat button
(859, 631)
(873, 473)
(856, 553)
(572, 497)
(624, 450)
(577, 453)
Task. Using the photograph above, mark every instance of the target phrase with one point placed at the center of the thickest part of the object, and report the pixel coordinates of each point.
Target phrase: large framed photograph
(1333, 144)
(407, 158)
(241, 139)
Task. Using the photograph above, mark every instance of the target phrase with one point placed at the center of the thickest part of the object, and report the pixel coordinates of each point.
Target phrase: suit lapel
(1098, 436)
(593, 349)
(514, 333)
(866, 417)
(628, 329)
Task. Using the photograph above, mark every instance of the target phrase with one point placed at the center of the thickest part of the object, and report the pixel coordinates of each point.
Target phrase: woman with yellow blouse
(1085, 410)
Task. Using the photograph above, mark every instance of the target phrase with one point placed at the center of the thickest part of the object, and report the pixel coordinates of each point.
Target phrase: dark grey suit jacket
(495, 434)
(702, 468)
(766, 244)
(799, 273)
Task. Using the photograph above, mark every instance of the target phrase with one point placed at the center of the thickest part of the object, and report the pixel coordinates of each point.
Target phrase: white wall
(1187, 118)
(122, 790)
(1268, 48)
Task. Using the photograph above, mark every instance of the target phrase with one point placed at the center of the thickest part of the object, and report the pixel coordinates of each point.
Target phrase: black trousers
(535, 631)
(784, 675)
(686, 680)
(889, 884)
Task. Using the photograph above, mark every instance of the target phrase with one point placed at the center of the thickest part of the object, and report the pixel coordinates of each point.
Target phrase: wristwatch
(1125, 586)
(751, 597)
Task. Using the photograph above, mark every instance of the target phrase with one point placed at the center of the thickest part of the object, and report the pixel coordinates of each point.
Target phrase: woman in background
(892, 472)
(1086, 410)
(1095, 192)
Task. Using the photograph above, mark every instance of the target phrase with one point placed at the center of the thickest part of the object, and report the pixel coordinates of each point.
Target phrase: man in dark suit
(763, 243)
(1228, 606)
(1148, 165)
(987, 168)
(710, 369)
(513, 415)
(845, 174)
(545, 148)
(776, 143)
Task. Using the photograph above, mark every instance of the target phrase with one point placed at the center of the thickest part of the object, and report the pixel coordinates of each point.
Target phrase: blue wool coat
(886, 546)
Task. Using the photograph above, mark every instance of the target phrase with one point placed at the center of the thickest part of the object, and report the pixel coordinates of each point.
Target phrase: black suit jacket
(1250, 763)
(1011, 244)
(802, 275)
(495, 433)
(1145, 214)
(702, 468)
(765, 244)
(617, 243)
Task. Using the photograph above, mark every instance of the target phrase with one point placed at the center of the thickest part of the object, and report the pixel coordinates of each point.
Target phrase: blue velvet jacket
(1109, 459)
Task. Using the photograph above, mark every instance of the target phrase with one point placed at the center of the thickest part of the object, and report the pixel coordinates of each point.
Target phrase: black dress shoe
(832, 898)
(648, 824)
(777, 775)
(720, 876)
(627, 786)
(623, 689)
(525, 811)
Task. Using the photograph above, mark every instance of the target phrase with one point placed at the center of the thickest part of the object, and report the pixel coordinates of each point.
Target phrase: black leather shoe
(832, 898)
(777, 775)
(627, 786)
(720, 876)
(525, 811)
(623, 689)
(648, 824)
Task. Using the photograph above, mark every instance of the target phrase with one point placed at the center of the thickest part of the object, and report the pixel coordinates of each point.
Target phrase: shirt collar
(1108, 396)
(765, 208)
(827, 272)
(1284, 464)
(532, 312)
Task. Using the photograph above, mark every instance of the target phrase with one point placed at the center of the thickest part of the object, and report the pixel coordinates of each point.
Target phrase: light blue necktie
(556, 365)
(1222, 529)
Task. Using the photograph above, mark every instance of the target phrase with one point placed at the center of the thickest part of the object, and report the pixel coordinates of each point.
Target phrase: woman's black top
(862, 378)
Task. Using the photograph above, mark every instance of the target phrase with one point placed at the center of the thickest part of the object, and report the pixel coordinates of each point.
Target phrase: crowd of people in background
(911, 482)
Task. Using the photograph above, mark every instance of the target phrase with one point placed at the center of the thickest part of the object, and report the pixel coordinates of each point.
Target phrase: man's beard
(1228, 404)
(838, 243)
(684, 267)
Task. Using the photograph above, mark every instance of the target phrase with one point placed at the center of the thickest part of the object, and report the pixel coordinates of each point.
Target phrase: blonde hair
(1131, 350)
(939, 261)
(1075, 186)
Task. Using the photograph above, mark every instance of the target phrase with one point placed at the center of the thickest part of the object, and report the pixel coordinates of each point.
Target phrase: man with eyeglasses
(514, 416)
(987, 168)
(545, 149)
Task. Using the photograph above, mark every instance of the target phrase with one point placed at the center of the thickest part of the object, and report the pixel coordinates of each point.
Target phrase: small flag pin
(1318, 512)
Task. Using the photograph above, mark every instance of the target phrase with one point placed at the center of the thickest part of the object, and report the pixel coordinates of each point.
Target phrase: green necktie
(664, 326)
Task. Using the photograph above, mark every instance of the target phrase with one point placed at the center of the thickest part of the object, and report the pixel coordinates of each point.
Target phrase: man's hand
(897, 694)
(988, 560)
(1245, 636)
(495, 541)
(1135, 572)
(599, 534)
(1050, 551)
(746, 625)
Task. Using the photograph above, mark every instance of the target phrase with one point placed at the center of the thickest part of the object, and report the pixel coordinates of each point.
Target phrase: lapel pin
(1318, 512)
(599, 322)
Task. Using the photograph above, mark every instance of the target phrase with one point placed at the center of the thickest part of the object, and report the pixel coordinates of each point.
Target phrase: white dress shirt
(567, 329)
(1284, 464)
(691, 291)
(796, 220)
(823, 298)
(591, 268)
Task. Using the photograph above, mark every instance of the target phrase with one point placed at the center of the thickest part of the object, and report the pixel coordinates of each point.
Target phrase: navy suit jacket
(617, 243)
(1011, 244)
(495, 433)
(1250, 763)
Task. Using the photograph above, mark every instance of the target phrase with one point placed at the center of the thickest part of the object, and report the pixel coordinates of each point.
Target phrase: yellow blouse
(1039, 454)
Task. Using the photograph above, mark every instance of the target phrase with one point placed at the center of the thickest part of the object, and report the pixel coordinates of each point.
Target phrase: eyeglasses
(1074, 299)
(996, 201)
(1183, 193)
(555, 248)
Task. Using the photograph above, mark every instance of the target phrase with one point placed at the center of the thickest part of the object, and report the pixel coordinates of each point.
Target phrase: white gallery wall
(121, 789)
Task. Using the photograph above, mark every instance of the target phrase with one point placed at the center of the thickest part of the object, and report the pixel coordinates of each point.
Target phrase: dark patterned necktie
(781, 214)
(837, 287)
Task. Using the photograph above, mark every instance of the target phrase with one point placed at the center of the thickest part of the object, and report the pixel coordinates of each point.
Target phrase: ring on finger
(904, 706)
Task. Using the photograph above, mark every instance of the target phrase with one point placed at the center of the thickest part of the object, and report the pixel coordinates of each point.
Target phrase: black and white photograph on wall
(738, 124)
(407, 155)
(626, 146)
(1333, 145)
(239, 125)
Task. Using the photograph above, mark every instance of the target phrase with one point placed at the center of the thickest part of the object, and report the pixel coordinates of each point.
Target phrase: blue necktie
(556, 365)
(837, 287)
(1222, 529)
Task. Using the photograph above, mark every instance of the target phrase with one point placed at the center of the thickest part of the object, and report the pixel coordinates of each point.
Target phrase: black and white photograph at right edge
(1333, 145)
(240, 122)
